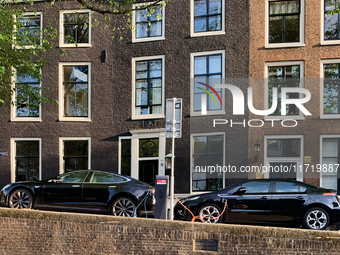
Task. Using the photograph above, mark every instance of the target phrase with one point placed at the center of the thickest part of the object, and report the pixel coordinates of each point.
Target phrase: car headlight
(189, 199)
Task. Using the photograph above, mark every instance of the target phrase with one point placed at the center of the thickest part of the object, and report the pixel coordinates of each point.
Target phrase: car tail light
(329, 194)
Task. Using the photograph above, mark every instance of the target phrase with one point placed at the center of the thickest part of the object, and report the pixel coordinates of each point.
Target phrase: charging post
(161, 195)
(173, 128)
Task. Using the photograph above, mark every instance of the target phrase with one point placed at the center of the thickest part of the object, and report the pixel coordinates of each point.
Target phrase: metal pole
(172, 178)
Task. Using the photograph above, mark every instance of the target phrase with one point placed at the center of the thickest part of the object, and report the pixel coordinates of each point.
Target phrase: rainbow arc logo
(204, 98)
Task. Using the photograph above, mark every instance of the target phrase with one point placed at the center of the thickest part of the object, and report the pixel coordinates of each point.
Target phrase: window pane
(141, 15)
(200, 24)
(331, 26)
(215, 64)
(103, 177)
(275, 29)
(292, 28)
(76, 27)
(284, 7)
(75, 176)
(215, 6)
(329, 183)
(75, 73)
(215, 23)
(148, 147)
(283, 148)
(330, 5)
(155, 96)
(156, 29)
(126, 157)
(201, 65)
(256, 187)
(287, 187)
(75, 148)
(142, 30)
(200, 7)
(329, 147)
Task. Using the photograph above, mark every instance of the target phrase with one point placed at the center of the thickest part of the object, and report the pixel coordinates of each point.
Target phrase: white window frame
(192, 153)
(266, 89)
(14, 107)
(41, 27)
(61, 151)
(13, 154)
(321, 147)
(299, 160)
(61, 29)
(134, 30)
(133, 105)
(322, 115)
(207, 33)
(61, 92)
(192, 82)
(323, 41)
(284, 44)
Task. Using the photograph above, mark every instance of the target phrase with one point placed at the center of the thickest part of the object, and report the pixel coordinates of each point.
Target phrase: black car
(265, 201)
(83, 191)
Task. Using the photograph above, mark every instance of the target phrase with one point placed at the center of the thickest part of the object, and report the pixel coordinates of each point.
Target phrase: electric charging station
(161, 195)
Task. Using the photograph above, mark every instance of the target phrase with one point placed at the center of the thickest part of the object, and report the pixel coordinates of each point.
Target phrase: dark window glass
(148, 147)
(149, 87)
(331, 22)
(27, 92)
(78, 176)
(289, 187)
(75, 155)
(283, 148)
(75, 88)
(30, 30)
(256, 187)
(331, 159)
(279, 77)
(125, 157)
(27, 160)
(208, 70)
(284, 21)
(331, 89)
(76, 28)
(208, 15)
(208, 152)
(103, 177)
(149, 22)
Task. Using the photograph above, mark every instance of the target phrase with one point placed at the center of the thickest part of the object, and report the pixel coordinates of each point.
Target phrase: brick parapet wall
(42, 232)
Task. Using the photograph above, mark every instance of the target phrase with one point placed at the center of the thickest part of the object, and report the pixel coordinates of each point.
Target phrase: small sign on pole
(170, 121)
(3, 153)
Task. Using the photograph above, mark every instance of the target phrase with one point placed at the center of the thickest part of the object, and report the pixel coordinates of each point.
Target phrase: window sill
(79, 45)
(329, 116)
(330, 42)
(284, 45)
(26, 119)
(148, 116)
(148, 39)
(75, 119)
(199, 34)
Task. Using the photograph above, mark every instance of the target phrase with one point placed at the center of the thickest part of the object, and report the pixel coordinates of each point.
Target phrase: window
(75, 154)
(285, 23)
(330, 162)
(255, 187)
(331, 34)
(75, 28)
(207, 69)
(207, 17)
(75, 92)
(26, 159)
(289, 187)
(287, 74)
(207, 151)
(283, 147)
(101, 177)
(30, 30)
(75, 177)
(148, 87)
(27, 92)
(331, 103)
(125, 156)
(149, 24)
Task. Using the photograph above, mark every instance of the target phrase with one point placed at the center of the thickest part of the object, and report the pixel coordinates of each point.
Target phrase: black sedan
(83, 191)
(266, 201)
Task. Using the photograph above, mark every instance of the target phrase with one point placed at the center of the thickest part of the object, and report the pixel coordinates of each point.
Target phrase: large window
(26, 159)
(27, 92)
(207, 17)
(75, 27)
(208, 151)
(331, 102)
(148, 87)
(75, 154)
(149, 24)
(285, 22)
(74, 99)
(330, 159)
(331, 22)
(207, 69)
(30, 30)
(281, 75)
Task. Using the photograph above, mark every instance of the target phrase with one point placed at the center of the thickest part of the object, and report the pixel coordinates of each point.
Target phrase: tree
(23, 44)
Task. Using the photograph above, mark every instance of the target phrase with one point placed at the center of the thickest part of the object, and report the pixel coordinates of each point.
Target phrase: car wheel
(316, 218)
(123, 206)
(209, 212)
(20, 199)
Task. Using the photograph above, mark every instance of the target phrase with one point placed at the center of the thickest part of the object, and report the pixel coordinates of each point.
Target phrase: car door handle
(75, 186)
(264, 198)
(300, 197)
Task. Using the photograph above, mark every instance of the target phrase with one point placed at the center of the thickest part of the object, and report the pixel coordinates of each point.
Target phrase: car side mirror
(240, 190)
